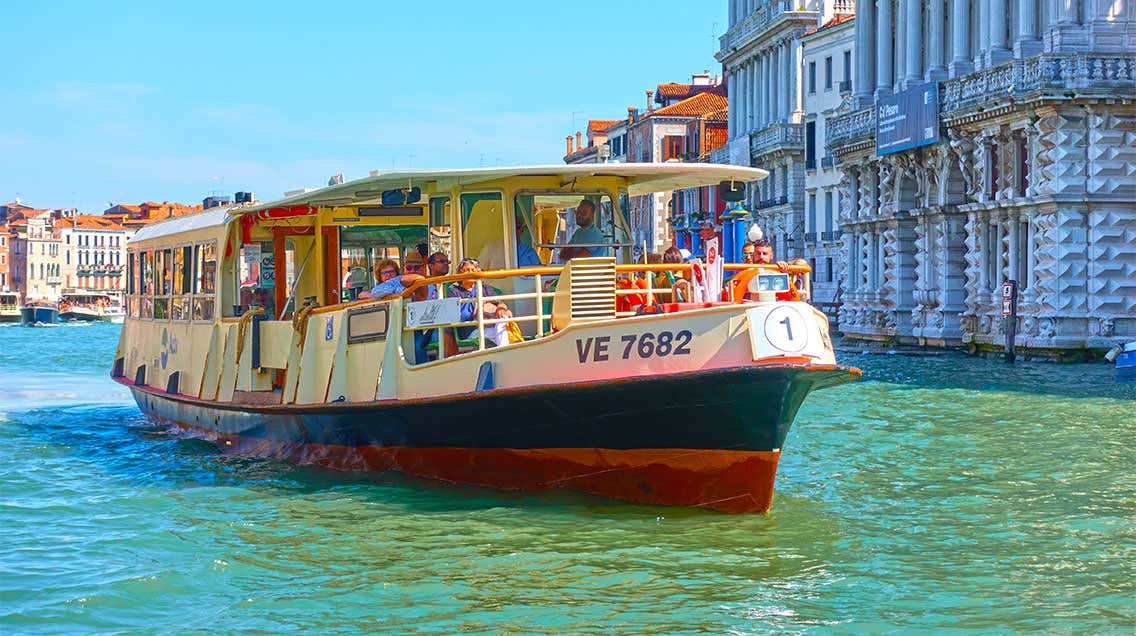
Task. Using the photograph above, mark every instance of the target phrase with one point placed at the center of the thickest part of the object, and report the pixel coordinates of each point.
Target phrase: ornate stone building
(1034, 179)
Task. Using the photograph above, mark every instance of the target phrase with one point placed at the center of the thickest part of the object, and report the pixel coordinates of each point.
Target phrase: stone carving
(963, 149)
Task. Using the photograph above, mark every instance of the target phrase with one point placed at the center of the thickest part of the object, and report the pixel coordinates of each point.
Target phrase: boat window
(441, 223)
(131, 273)
(204, 280)
(483, 229)
(361, 249)
(255, 270)
(554, 227)
(148, 273)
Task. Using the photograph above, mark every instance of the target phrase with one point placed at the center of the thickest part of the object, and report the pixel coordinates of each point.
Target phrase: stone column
(798, 78)
(936, 41)
(733, 12)
(756, 94)
(731, 99)
(913, 27)
(899, 59)
(787, 96)
(883, 48)
(1068, 10)
(763, 87)
(962, 63)
(1027, 43)
(774, 97)
(865, 51)
(743, 100)
(983, 34)
(999, 18)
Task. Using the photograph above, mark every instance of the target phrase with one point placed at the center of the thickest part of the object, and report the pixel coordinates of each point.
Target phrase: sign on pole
(1010, 308)
(715, 270)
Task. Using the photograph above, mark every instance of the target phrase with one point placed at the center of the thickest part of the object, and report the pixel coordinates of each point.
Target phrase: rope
(300, 322)
(246, 318)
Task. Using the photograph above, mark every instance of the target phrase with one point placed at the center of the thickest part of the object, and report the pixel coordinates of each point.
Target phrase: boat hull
(39, 315)
(78, 316)
(709, 439)
(10, 316)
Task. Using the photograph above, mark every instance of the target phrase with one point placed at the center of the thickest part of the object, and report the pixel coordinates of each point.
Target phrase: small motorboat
(39, 312)
(1125, 358)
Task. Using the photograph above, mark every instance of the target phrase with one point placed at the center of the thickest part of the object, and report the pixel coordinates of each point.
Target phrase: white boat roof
(643, 178)
(212, 217)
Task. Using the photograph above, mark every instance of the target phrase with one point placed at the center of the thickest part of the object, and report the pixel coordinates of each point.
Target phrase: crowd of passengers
(394, 280)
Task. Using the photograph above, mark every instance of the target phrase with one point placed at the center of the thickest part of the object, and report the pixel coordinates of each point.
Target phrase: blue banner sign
(907, 119)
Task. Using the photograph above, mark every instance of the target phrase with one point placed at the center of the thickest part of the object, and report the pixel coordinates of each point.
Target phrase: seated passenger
(681, 286)
(526, 255)
(587, 234)
(466, 289)
(390, 282)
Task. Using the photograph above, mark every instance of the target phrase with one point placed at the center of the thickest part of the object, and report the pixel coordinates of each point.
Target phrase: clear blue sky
(129, 101)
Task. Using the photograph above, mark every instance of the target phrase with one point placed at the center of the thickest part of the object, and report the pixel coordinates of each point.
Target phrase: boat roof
(212, 217)
(642, 178)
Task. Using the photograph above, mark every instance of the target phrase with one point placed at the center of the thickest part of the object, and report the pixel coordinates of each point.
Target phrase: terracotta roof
(91, 222)
(596, 125)
(700, 104)
(839, 19)
(683, 91)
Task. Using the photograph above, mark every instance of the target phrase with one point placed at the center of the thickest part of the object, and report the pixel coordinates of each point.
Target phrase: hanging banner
(907, 119)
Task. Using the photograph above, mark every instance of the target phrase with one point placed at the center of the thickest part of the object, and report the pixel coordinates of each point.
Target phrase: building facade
(761, 53)
(4, 238)
(94, 253)
(1032, 180)
(36, 261)
(827, 55)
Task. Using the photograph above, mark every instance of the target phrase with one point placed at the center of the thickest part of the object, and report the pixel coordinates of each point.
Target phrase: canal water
(942, 493)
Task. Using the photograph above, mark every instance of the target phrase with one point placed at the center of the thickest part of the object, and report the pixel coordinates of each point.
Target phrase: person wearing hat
(392, 283)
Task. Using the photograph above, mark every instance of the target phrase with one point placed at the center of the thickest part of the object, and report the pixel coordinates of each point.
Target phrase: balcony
(828, 162)
(810, 238)
(848, 129)
(761, 21)
(1087, 74)
(830, 236)
(720, 154)
(779, 136)
(769, 203)
(845, 87)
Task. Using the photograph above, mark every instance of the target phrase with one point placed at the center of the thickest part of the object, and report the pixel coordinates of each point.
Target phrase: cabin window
(132, 273)
(483, 229)
(441, 222)
(148, 273)
(362, 247)
(256, 270)
(204, 280)
(555, 228)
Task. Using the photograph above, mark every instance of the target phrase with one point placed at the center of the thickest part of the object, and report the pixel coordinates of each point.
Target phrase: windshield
(556, 227)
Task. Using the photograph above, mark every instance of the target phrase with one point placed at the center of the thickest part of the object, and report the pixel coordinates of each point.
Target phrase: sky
(131, 101)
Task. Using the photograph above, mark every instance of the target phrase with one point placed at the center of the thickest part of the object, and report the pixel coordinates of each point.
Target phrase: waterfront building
(1030, 179)
(4, 238)
(697, 213)
(94, 252)
(762, 53)
(658, 134)
(35, 269)
(827, 54)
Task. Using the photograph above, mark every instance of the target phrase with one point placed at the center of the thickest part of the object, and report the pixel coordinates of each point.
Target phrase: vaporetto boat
(9, 307)
(254, 327)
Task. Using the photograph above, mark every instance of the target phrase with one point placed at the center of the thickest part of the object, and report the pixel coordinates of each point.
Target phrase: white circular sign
(786, 329)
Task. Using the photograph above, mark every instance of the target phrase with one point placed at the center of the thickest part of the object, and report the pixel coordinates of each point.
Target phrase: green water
(941, 494)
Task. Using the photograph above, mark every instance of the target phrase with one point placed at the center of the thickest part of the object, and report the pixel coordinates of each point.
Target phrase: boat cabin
(246, 286)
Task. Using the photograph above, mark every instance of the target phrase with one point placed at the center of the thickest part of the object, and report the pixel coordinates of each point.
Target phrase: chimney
(569, 140)
(649, 94)
(631, 115)
(578, 143)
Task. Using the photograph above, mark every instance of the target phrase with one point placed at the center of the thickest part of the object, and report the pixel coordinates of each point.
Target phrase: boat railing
(542, 279)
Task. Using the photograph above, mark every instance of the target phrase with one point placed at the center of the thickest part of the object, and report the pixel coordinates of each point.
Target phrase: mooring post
(1010, 309)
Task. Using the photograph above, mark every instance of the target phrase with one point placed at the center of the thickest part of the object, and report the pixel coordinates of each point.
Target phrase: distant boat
(90, 306)
(9, 307)
(39, 312)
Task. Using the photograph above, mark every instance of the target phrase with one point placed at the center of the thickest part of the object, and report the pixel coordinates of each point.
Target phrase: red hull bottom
(727, 481)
